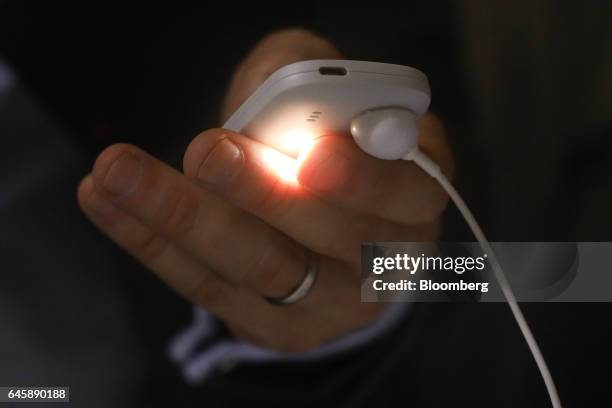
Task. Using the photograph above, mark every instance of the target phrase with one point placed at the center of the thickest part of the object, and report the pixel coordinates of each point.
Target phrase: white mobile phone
(307, 99)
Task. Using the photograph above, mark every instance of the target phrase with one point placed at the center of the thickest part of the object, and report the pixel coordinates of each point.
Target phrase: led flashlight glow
(284, 166)
(294, 140)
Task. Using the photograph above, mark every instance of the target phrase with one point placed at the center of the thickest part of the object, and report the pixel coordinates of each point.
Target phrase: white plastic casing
(307, 99)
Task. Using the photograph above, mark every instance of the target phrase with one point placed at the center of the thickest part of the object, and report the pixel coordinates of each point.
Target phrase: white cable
(431, 168)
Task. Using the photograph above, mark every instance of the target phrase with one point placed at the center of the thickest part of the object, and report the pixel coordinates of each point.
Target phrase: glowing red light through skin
(284, 166)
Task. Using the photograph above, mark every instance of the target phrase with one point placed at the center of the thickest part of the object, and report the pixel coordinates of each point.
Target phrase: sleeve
(201, 350)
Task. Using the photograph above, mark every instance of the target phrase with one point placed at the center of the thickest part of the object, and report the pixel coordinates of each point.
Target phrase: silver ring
(301, 290)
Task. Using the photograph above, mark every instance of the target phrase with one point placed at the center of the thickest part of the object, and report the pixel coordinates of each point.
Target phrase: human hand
(231, 231)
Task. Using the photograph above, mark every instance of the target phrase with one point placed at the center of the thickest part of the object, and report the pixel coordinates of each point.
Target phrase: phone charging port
(332, 71)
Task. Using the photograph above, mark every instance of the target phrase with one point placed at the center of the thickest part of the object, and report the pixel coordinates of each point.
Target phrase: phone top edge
(381, 68)
(245, 112)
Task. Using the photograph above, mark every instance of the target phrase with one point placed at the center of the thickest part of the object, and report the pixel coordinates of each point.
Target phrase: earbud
(391, 134)
(386, 133)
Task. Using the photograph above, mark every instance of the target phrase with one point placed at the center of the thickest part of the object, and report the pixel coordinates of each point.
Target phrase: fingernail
(326, 172)
(99, 204)
(123, 175)
(222, 163)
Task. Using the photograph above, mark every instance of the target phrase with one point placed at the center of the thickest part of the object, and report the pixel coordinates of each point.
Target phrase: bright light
(305, 152)
(284, 166)
(296, 143)
(294, 140)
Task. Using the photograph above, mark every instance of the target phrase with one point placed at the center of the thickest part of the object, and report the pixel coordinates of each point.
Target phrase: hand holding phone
(229, 232)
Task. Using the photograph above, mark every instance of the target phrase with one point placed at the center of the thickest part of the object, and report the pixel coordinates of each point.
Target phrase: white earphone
(391, 134)
(388, 133)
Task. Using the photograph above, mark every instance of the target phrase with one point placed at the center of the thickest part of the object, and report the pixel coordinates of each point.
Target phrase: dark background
(524, 90)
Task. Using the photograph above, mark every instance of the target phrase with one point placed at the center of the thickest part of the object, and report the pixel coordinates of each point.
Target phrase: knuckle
(266, 276)
(180, 215)
(149, 247)
(209, 295)
(272, 199)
